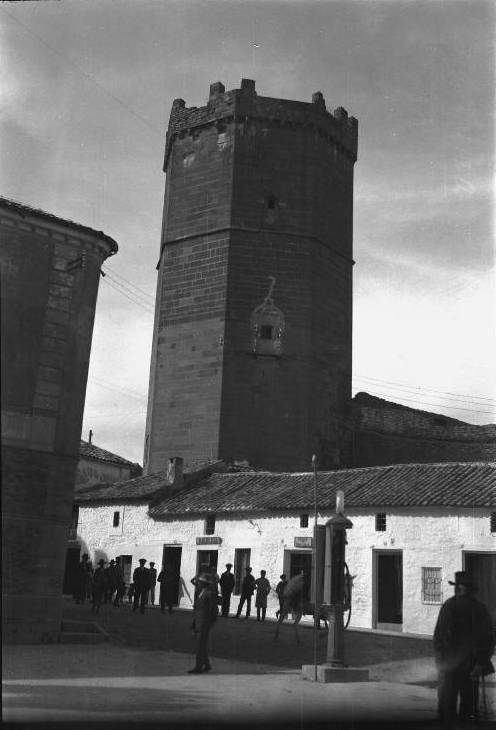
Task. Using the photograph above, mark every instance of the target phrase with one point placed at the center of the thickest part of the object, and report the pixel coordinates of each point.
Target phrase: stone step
(80, 637)
(85, 627)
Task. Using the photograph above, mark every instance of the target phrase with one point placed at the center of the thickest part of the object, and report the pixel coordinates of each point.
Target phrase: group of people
(464, 639)
(102, 585)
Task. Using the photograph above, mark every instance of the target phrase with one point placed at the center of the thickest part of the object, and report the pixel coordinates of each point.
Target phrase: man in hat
(206, 611)
(141, 580)
(226, 588)
(247, 588)
(463, 646)
(99, 586)
(153, 582)
(280, 588)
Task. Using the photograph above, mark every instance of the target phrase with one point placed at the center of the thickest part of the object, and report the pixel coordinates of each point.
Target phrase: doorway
(171, 563)
(241, 562)
(205, 560)
(126, 563)
(389, 590)
(299, 562)
(482, 566)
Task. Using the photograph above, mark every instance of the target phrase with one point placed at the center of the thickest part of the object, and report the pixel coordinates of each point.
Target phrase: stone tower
(251, 356)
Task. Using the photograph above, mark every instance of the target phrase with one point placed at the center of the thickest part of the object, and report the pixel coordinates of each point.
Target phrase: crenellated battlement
(244, 104)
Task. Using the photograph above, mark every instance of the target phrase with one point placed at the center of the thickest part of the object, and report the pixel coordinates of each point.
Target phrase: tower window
(266, 332)
(271, 203)
(380, 522)
(303, 520)
(117, 519)
(493, 522)
(210, 525)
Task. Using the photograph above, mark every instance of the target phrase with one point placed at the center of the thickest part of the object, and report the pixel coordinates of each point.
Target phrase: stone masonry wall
(389, 433)
(50, 272)
(426, 538)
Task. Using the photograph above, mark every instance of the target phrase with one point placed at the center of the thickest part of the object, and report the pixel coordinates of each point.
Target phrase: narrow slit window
(380, 522)
(266, 332)
(117, 519)
(493, 522)
(303, 520)
(210, 525)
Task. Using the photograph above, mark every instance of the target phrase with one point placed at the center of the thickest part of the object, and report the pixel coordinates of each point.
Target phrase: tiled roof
(90, 451)
(22, 209)
(402, 485)
(138, 488)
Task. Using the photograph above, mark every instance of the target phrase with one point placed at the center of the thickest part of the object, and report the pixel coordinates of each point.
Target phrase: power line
(86, 74)
(148, 309)
(428, 390)
(116, 388)
(131, 284)
(130, 290)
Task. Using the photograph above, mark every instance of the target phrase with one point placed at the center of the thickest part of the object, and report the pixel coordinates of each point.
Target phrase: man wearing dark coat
(226, 588)
(205, 609)
(153, 582)
(463, 646)
(141, 580)
(247, 588)
(83, 580)
(99, 586)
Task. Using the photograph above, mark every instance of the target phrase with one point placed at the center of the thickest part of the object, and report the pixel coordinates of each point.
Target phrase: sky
(86, 90)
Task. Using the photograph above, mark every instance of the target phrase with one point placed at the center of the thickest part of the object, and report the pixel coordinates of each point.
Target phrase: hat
(228, 565)
(101, 561)
(152, 563)
(462, 578)
(248, 569)
(112, 561)
(282, 576)
(142, 560)
(204, 578)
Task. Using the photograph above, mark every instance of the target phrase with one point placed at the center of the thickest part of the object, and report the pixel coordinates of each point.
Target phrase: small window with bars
(493, 523)
(209, 524)
(431, 585)
(303, 520)
(380, 522)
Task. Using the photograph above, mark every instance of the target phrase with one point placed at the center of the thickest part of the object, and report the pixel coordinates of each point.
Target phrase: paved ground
(121, 683)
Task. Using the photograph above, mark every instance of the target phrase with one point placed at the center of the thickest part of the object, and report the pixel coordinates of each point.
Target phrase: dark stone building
(251, 356)
(50, 270)
(389, 433)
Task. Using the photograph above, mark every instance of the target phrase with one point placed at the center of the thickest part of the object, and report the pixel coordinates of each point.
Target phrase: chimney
(90, 436)
(175, 478)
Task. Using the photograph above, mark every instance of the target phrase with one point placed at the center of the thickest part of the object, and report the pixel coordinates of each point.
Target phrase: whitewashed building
(414, 525)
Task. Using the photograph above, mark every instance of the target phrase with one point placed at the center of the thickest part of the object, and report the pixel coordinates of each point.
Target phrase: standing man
(84, 577)
(119, 577)
(247, 588)
(280, 588)
(153, 582)
(263, 590)
(141, 580)
(206, 610)
(99, 586)
(463, 646)
(226, 588)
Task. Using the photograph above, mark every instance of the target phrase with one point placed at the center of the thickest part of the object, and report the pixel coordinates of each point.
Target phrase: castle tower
(251, 356)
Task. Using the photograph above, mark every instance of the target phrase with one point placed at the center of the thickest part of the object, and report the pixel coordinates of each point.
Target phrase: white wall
(434, 538)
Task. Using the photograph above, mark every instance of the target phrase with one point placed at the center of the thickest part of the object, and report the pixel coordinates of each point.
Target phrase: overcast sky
(86, 93)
